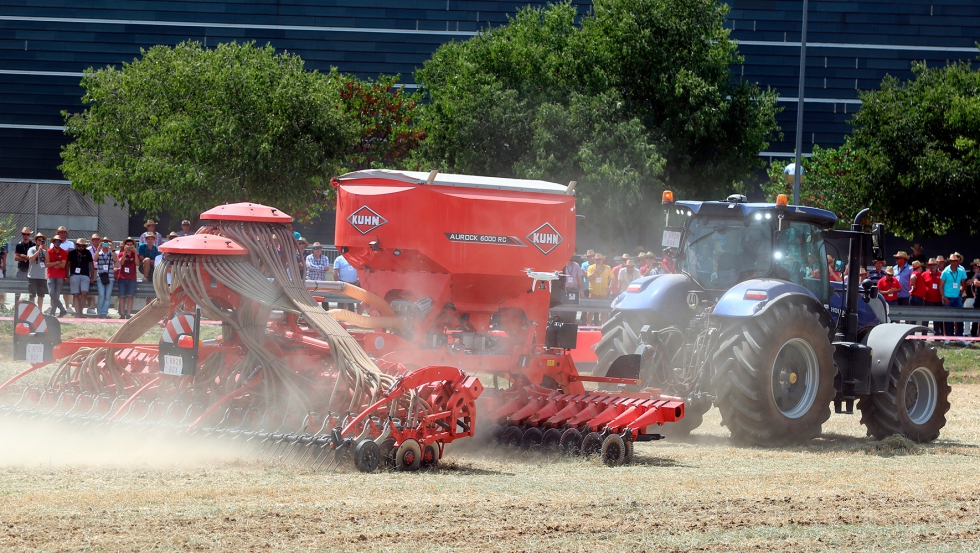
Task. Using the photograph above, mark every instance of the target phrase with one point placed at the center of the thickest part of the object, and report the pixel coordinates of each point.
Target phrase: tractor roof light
(782, 200)
(668, 197)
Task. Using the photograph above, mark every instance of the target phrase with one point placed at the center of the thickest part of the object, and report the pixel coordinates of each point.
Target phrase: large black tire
(917, 398)
(619, 337)
(774, 377)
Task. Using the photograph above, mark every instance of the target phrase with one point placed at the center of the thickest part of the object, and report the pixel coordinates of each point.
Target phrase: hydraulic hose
(365, 321)
(351, 291)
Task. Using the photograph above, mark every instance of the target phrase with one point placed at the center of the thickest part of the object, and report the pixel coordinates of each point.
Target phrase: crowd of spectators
(915, 280)
(64, 270)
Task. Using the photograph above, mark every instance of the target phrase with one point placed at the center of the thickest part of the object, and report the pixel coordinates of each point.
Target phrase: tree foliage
(920, 149)
(914, 158)
(628, 99)
(385, 114)
(185, 128)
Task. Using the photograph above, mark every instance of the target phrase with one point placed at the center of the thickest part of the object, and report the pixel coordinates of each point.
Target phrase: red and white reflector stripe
(181, 324)
(27, 312)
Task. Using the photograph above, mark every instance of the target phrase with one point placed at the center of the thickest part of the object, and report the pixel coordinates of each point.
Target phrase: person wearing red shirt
(917, 287)
(129, 259)
(56, 270)
(889, 287)
(932, 281)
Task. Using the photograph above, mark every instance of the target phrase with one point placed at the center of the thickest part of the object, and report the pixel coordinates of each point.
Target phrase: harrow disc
(408, 456)
(430, 456)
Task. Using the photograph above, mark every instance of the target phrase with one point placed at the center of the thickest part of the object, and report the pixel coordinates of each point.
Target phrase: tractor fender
(745, 300)
(884, 341)
(666, 295)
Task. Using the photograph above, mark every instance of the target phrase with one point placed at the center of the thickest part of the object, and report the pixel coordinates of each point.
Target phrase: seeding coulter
(454, 339)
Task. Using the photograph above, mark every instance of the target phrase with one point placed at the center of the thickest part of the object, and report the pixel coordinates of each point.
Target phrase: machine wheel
(513, 436)
(917, 398)
(367, 456)
(571, 442)
(532, 439)
(774, 377)
(551, 439)
(430, 456)
(613, 450)
(497, 433)
(387, 448)
(591, 444)
(628, 457)
(408, 456)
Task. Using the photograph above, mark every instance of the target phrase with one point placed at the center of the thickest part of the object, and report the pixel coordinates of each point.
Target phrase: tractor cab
(721, 244)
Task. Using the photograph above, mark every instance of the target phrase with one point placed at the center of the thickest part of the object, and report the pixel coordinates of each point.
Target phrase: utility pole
(799, 113)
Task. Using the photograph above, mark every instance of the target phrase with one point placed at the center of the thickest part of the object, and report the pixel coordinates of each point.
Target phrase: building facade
(46, 44)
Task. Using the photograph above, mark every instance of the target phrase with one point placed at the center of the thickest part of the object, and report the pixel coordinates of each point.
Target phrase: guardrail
(143, 290)
(589, 305)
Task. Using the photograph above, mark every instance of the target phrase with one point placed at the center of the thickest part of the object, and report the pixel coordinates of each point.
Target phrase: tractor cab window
(720, 253)
(801, 255)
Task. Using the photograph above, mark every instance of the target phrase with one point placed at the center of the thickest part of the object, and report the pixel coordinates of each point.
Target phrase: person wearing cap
(148, 252)
(600, 279)
(317, 263)
(151, 228)
(129, 262)
(668, 262)
(627, 274)
(81, 267)
(889, 286)
(185, 228)
(917, 286)
(68, 246)
(95, 242)
(954, 281)
(614, 289)
(917, 255)
(37, 279)
(106, 265)
(903, 272)
(20, 256)
(56, 271)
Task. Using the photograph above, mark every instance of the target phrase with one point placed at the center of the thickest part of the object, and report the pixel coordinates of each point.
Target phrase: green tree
(624, 101)
(185, 128)
(919, 160)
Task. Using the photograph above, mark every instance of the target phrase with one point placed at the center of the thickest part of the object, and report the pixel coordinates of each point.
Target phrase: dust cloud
(31, 443)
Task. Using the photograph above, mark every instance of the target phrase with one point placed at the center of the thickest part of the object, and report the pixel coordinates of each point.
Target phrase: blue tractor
(749, 322)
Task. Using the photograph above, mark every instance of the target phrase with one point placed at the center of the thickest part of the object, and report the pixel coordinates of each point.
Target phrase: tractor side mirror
(878, 241)
(870, 289)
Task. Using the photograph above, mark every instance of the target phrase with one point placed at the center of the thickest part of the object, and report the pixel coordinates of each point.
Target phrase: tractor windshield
(721, 252)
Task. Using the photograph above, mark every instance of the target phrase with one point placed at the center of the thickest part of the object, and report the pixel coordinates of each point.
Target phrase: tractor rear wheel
(917, 398)
(774, 377)
(620, 336)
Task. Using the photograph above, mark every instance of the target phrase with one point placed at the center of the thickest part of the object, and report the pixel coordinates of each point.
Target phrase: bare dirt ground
(69, 489)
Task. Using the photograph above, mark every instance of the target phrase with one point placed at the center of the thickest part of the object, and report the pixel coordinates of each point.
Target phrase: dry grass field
(72, 489)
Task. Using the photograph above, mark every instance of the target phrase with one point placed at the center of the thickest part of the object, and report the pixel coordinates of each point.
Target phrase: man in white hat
(151, 228)
(903, 272)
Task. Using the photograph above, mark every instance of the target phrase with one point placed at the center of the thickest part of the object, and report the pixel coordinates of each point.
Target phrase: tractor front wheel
(917, 398)
(774, 377)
